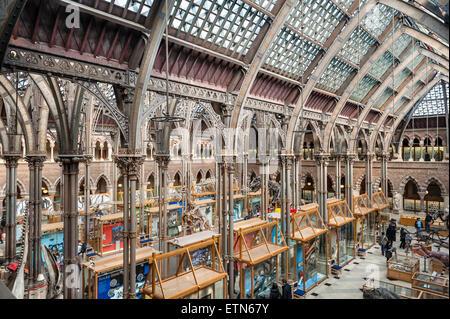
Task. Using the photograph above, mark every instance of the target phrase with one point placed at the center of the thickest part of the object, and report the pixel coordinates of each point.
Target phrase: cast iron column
(349, 158)
(87, 199)
(35, 164)
(384, 178)
(369, 169)
(11, 163)
(338, 175)
(231, 227)
(70, 165)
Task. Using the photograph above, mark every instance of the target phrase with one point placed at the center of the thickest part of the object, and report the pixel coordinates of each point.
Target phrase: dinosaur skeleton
(274, 189)
(196, 220)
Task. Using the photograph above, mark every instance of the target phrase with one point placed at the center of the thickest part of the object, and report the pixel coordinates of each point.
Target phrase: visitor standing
(391, 232)
(286, 290)
(275, 292)
(402, 238)
(428, 221)
(418, 225)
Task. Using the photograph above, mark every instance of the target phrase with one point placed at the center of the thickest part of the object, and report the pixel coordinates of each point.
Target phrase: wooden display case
(175, 275)
(341, 223)
(402, 291)
(152, 219)
(427, 282)
(365, 229)
(102, 277)
(308, 249)
(193, 239)
(257, 246)
(401, 267)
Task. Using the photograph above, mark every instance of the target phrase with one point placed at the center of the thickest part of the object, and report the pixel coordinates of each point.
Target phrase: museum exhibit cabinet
(341, 223)
(308, 248)
(401, 267)
(430, 283)
(207, 208)
(254, 202)
(383, 215)
(193, 239)
(402, 291)
(102, 277)
(174, 220)
(107, 235)
(365, 230)
(193, 272)
(257, 256)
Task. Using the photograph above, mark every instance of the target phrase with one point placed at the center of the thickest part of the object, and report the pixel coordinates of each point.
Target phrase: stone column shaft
(11, 162)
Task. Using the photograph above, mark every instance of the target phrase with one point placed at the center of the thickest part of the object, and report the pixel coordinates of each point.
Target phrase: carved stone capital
(129, 164)
(11, 160)
(35, 161)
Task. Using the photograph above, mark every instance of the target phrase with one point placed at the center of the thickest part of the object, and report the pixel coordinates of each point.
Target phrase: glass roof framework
(317, 17)
(366, 84)
(137, 6)
(434, 103)
(230, 24)
(290, 54)
(335, 75)
(357, 46)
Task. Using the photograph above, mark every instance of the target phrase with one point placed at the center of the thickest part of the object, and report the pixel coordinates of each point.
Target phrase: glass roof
(378, 19)
(365, 85)
(230, 24)
(318, 18)
(335, 75)
(137, 6)
(291, 55)
(433, 103)
(357, 46)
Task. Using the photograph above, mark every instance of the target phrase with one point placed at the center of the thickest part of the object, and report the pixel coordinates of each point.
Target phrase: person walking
(391, 232)
(286, 290)
(275, 292)
(418, 224)
(428, 221)
(402, 238)
(389, 250)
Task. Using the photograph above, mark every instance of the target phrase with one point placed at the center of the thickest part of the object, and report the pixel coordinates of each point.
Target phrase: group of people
(286, 291)
(389, 238)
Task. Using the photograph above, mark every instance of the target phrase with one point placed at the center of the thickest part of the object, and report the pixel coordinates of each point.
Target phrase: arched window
(405, 149)
(362, 187)
(199, 177)
(438, 149)
(433, 198)
(411, 198)
(330, 190)
(308, 190)
(427, 149)
(177, 180)
(208, 174)
(101, 186)
(416, 149)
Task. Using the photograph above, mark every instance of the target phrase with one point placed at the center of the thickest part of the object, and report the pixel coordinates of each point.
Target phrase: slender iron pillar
(369, 169)
(70, 165)
(11, 200)
(349, 158)
(230, 230)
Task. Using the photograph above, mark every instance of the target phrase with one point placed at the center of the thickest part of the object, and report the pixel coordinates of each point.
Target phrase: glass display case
(102, 277)
(107, 235)
(383, 215)
(401, 267)
(430, 283)
(341, 223)
(174, 220)
(308, 259)
(193, 272)
(254, 203)
(365, 229)
(402, 291)
(257, 249)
